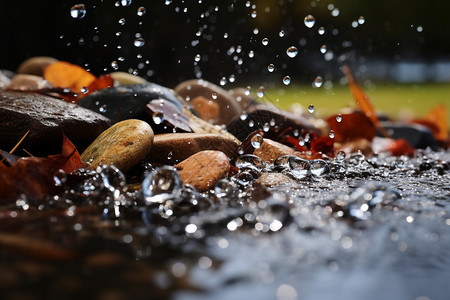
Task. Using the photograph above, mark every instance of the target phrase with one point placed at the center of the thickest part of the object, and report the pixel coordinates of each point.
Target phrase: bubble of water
(265, 41)
(122, 21)
(113, 179)
(339, 118)
(309, 21)
(254, 14)
(281, 33)
(340, 156)
(103, 108)
(292, 51)
(321, 30)
(139, 42)
(78, 11)
(311, 108)
(256, 141)
(158, 117)
(361, 20)
(161, 184)
(282, 163)
(331, 134)
(368, 196)
(355, 159)
(318, 81)
(287, 80)
(298, 167)
(250, 160)
(266, 127)
(319, 168)
(261, 92)
(84, 90)
(126, 2)
(225, 189)
(141, 11)
(223, 81)
(323, 49)
(197, 57)
(232, 78)
(271, 68)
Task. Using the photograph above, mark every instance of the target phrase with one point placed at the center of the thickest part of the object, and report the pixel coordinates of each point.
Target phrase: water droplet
(250, 161)
(271, 68)
(319, 168)
(139, 42)
(84, 90)
(197, 58)
(122, 21)
(254, 14)
(214, 95)
(298, 167)
(141, 11)
(287, 80)
(309, 21)
(59, 178)
(161, 184)
(102, 108)
(223, 81)
(339, 118)
(78, 11)
(225, 189)
(256, 141)
(158, 117)
(251, 123)
(321, 30)
(266, 127)
(292, 51)
(335, 12)
(190, 228)
(318, 81)
(126, 2)
(361, 20)
(113, 179)
(247, 4)
(340, 156)
(251, 54)
(261, 92)
(311, 108)
(225, 35)
(232, 78)
(281, 33)
(331, 134)
(265, 41)
(323, 49)
(168, 2)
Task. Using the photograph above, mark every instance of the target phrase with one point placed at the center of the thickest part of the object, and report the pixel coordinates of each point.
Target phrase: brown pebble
(26, 82)
(207, 109)
(124, 145)
(203, 169)
(35, 65)
(271, 150)
(273, 179)
(172, 148)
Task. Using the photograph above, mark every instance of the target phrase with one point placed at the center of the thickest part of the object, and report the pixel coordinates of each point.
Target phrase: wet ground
(355, 228)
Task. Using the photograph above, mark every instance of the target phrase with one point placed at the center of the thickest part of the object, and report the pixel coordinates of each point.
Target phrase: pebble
(228, 107)
(123, 78)
(46, 118)
(271, 150)
(273, 179)
(26, 82)
(417, 135)
(172, 148)
(124, 145)
(35, 65)
(203, 169)
(208, 110)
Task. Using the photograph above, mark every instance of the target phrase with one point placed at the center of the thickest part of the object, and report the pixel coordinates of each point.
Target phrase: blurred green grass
(398, 101)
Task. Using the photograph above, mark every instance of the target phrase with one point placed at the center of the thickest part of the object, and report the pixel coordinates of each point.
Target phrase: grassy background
(400, 101)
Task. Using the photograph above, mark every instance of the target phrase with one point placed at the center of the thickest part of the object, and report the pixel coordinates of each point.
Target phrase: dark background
(389, 35)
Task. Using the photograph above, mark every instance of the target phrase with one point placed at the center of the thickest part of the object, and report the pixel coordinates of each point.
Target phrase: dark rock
(46, 118)
(270, 119)
(417, 135)
(129, 102)
(196, 91)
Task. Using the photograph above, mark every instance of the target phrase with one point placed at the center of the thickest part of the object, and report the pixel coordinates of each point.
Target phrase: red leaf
(323, 144)
(400, 147)
(436, 120)
(74, 160)
(353, 126)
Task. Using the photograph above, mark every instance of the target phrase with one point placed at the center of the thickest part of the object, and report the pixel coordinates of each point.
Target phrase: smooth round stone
(26, 82)
(204, 169)
(228, 107)
(123, 78)
(124, 145)
(35, 65)
(271, 150)
(172, 148)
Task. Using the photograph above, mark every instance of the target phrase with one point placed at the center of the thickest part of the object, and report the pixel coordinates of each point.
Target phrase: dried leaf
(170, 114)
(362, 100)
(400, 147)
(323, 144)
(68, 150)
(353, 126)
(102, 82)
(66, 75)
(436, 120)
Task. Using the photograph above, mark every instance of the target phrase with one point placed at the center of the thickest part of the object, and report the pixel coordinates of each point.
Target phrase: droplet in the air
(214, 95)
(309, 21)
(287, 80)
(256, 141)
(281, 33)
(339, 118)
(197, 58)
(141, 11)
(223, 81)
(271, 68)
(323, 49)
(78, 11)
(122, 21)
(318, 81)
(161, 184)
(361, 20)
(266, 127)
(265, 41)
(321, 30)
(311, 108)
(292, 51)
(102, 108)
(261, 92)
(125, 2)
(158, 117)
(84, 90)
(139, 42)
(331, 134)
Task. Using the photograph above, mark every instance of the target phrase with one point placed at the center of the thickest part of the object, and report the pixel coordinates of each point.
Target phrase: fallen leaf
(169, 114)
(66, 75)
(323, 144)
(74, 160)
(436, 121)
(400, 147)
(353, 126)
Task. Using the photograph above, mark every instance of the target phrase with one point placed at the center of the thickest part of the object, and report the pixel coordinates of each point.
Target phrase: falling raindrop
(126, 2)
(84, 90)
(214, 95)
(141, 11)
(292, 51)
(225, 35)
(331, 134)
(287, 80)
(339, 118)
(323, 49)
(78, 11)
(139, 42)
(161, 184)
(254, 14)
(309, 21)
(256, 141)
(251, 54)
(318, 81)
(281, 33)
(232, 78)
(223, 81)
(197, 58)
(271, 68)
(265, 41)
(321, 30)
(335, 12)
(158, 117)
(266, 127)
(122, 21)
(311, 108)
(261, 92)
(102, 108)
(361, 20)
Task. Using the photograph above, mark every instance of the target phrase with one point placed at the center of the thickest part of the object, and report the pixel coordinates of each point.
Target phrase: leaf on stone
(353, 126)
(362, 100)
(66, 75)
(74, 161)
(170, 114)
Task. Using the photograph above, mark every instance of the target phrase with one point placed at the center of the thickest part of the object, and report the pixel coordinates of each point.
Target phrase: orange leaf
(74, 160)
(400, 147)
(102, 82)
(438, 117)
(353, 126)
(362, 100)
(66, 75)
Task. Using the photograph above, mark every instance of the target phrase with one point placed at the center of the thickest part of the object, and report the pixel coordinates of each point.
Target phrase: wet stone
(26, 82)
(46, 118)
(204, 169)
(271, 150)
(174, 147)
(417, 135)
(35, 65)
(123, 78)
(273, 179)
(124, 145)
(227, 105)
